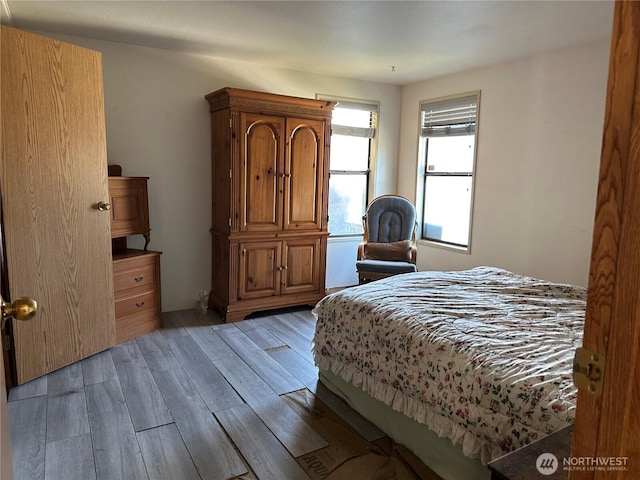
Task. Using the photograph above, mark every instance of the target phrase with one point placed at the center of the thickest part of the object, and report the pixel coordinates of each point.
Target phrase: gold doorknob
(23, 308)
(104, 206)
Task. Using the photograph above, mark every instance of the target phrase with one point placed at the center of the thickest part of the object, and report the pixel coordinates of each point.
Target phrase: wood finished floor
(198, 399)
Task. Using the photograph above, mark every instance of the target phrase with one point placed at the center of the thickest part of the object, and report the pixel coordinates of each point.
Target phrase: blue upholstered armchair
(389, 243)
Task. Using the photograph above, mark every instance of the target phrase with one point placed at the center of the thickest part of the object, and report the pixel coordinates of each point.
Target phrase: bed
(461, 367)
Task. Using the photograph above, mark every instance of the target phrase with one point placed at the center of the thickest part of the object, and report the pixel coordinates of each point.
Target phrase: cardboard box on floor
(348, 455)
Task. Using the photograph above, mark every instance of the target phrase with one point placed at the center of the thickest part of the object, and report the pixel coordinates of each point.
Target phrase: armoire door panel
(261, 172)
(53, 173)
(304, 170)
(260, 269)
(302, 266)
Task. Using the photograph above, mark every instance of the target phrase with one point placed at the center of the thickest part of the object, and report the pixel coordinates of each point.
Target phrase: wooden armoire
(270, 166)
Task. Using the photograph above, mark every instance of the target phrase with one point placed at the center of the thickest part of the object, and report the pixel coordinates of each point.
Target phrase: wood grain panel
(98, 368)
(296, 435)
(136, 276)
(34, 388)
(53, 173)
(71, 459)
(608, 425)
(146, 404)
(156, 352)
(308, 317)
(220, 173)
(302, 260)
(214, 389)
(28, 437)
(260, 270)
(304, 163)
(260, 169)
(294, 322)
(289, 333)
(212, 452)
(201, 328)
(210, 343)
(140, 324)
(266, 456)
(135, 304)
(129, 206)
(115, 445)
(166, 455)
(261, 336)
(296, 364)
(279, 379)
(66, 404)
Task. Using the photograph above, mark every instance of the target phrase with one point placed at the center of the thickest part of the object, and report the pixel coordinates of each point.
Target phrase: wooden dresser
(270, 165)
(136, 273)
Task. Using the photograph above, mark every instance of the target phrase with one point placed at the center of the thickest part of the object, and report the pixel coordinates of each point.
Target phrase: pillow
(392, 251)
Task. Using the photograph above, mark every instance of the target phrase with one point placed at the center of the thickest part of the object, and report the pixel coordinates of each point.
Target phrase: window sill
(444, 246)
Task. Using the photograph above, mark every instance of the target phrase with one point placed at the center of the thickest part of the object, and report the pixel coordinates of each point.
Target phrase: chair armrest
(414, 253)
(360, 252)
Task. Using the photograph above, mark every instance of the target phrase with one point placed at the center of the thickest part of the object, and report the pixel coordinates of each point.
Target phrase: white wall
(540, 132)
(158, 126)
(535, 185)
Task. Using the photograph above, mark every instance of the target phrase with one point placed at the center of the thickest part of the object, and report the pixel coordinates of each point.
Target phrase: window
(447, 162)
(353, 130)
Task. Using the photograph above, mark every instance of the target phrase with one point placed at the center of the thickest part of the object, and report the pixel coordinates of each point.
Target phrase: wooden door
(53, 173)
(304, 166)
(301, 265)
(608, 426)
(260, 269)
(261, 172)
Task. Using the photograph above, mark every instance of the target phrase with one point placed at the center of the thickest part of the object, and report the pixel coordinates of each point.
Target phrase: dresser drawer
(136, 304)
(136, 281)
(138, 276)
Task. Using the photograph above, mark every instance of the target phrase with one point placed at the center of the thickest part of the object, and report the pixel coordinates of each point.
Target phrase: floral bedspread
(481, 356)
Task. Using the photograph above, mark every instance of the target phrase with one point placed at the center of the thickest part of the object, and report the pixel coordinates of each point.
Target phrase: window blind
(453, 116)
(353, 131)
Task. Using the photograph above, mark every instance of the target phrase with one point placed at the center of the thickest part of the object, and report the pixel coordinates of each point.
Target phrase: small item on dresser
(114, 170)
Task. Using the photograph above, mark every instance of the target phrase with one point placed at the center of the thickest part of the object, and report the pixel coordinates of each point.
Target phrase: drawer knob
(138, 279)
(139, 304)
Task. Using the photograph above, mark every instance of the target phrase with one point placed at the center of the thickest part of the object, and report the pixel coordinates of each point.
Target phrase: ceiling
(395, 42)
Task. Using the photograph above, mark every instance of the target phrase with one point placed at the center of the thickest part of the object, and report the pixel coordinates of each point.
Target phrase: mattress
(480, 356)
